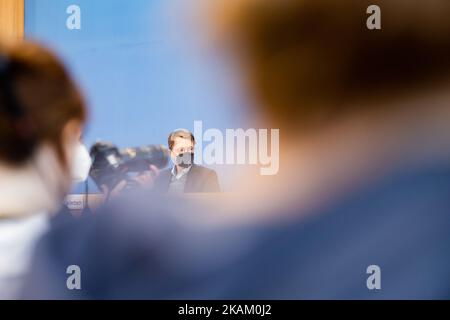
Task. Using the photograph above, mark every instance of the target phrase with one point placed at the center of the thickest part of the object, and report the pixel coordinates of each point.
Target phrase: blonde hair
(180, 133)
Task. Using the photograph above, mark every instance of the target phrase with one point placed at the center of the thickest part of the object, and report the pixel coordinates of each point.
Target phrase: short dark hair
(180, 133)
(39, 89)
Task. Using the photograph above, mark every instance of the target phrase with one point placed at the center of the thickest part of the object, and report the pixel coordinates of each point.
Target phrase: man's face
(181, 145)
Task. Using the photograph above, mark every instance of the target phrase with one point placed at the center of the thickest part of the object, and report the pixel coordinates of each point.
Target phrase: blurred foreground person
(360, 206)
(41, 116)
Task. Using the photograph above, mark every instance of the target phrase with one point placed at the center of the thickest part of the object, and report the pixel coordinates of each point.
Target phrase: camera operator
(144, 180)
(117, 171)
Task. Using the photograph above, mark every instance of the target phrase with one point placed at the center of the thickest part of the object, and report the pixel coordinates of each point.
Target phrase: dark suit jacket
(199, 179)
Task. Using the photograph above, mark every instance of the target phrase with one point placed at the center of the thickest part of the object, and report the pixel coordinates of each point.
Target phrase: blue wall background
(141, 68)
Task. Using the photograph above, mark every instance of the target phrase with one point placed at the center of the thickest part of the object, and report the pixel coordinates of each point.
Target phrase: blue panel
(138, 71)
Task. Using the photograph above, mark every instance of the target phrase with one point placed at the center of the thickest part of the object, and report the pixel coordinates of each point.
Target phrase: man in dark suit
(185, 176)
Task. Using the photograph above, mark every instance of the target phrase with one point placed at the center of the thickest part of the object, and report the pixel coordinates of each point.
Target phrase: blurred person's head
(312, 62)
(42, 114)
(181, 144)
(348, 101)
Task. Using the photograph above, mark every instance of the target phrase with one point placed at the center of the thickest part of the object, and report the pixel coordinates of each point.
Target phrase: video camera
(110, 165)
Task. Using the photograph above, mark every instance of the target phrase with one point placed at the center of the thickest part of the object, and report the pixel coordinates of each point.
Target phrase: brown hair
(310, 61)
(180, 133)
(37, 99)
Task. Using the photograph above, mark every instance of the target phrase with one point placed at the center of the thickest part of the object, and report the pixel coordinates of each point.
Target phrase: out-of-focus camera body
(111, 165)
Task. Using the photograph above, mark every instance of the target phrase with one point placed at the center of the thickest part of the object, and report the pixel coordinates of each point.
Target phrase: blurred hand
(147, 179)
(114, 193)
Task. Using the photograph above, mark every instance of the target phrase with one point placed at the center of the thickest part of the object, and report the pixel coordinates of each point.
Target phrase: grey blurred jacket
(149, 249)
